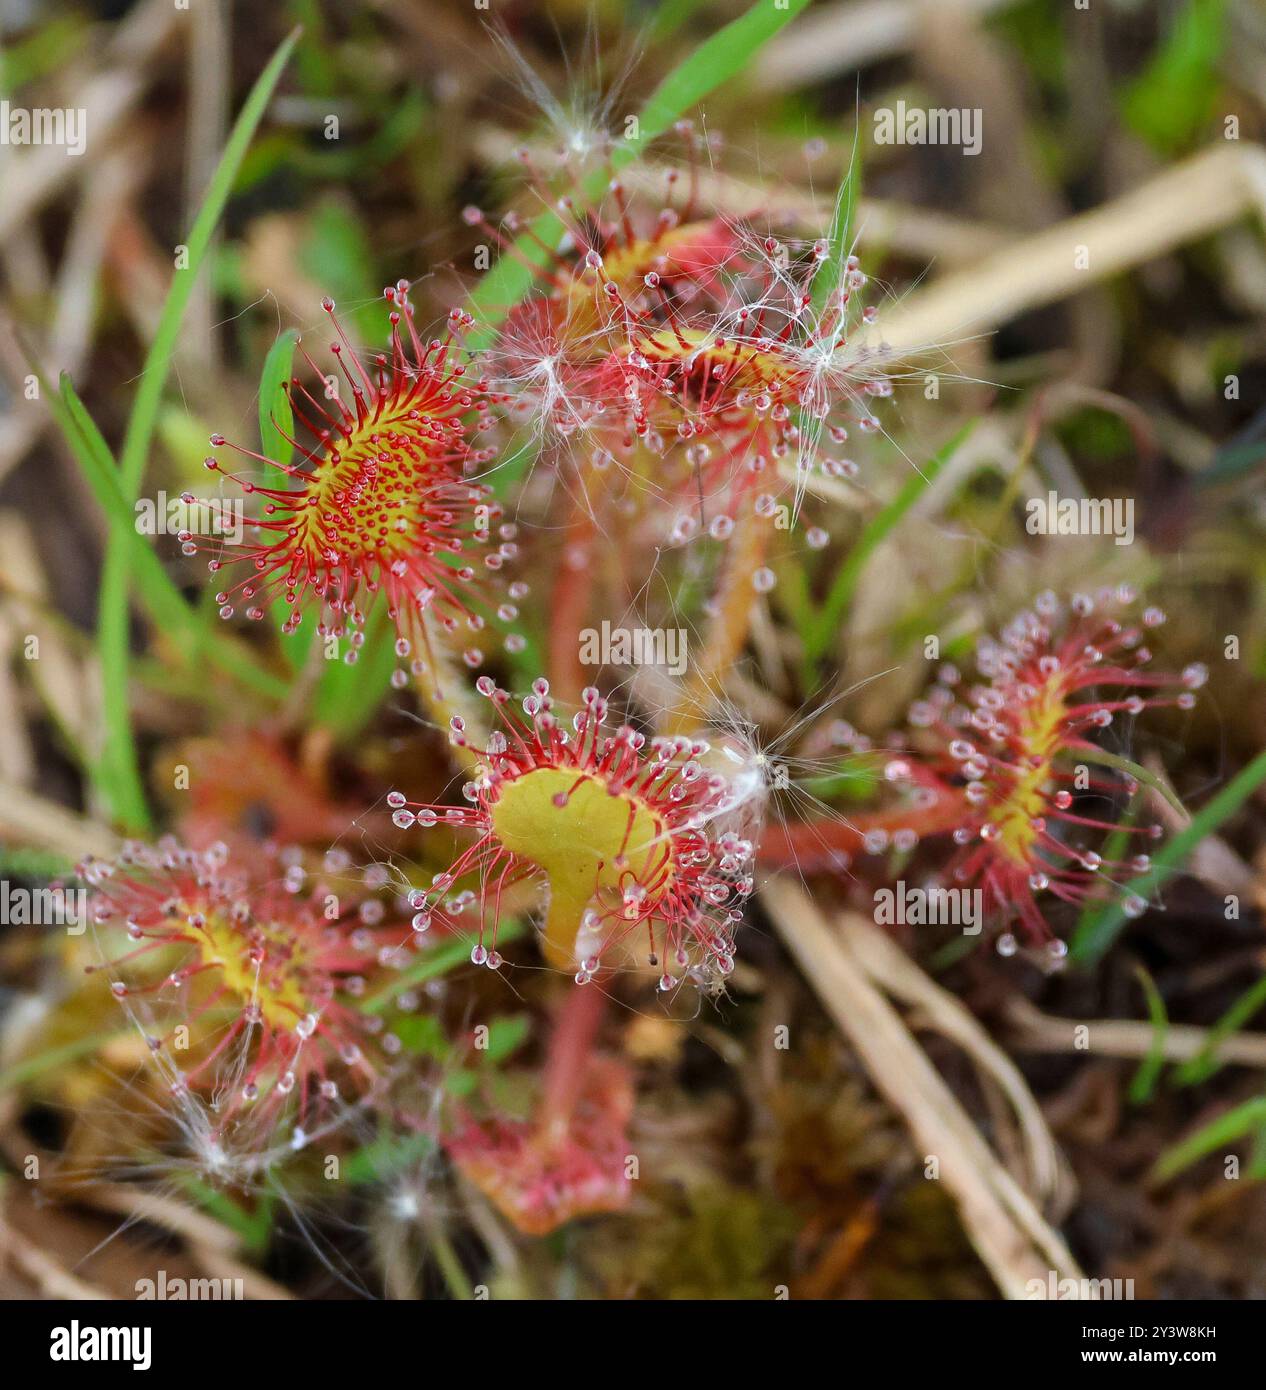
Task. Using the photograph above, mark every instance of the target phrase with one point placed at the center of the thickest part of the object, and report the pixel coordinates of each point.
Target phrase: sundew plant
(633, 653)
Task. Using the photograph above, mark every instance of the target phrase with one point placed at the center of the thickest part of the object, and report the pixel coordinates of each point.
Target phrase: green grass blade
(119, 772)
(1114, 847)
(276, 417)
(348, 695)
(276, 430)
(669, 16)
(1144, 1081)
(820, 633)
(1172, 99)
(506, 1034)
(1219, 1133)
(122, 773)
(1132, 769)
(115, 772)
(715, 61)
(253, 1228)
(178, 621)
(1202, 1066)
(840, 234)
(439, 960)
(97, 465)
(386, 1157)
(1257, 1159)
(1093, 938)
(140, 426)
(31, 1067)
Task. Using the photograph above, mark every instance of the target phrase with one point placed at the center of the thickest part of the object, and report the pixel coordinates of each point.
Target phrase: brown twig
(1015, 1242)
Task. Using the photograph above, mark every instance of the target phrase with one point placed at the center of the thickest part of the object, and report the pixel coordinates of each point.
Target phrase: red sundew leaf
(541, 1177)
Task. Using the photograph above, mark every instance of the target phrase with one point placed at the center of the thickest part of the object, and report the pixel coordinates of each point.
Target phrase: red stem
(812, 845)
(570, 1046)
(572, 590)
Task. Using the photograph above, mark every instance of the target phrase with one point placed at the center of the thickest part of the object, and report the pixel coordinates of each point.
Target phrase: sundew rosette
(1013, 769)
(634, 841)
(385, 498)
(688, 376)
(760, 386)
(707, 361)
(569, 1161)
(242, 974)
(1022, 745)
(652, 246)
